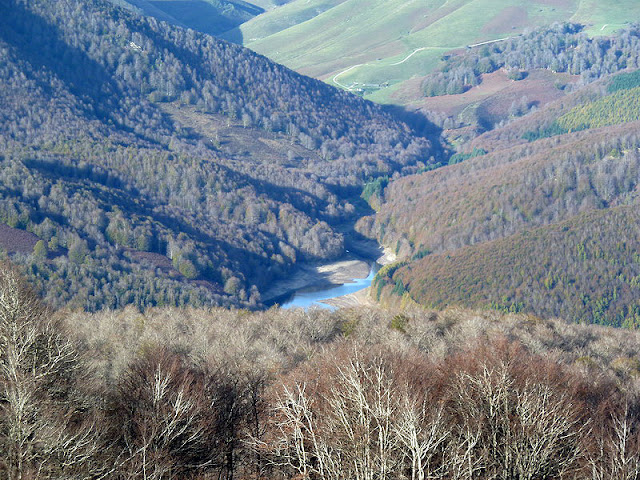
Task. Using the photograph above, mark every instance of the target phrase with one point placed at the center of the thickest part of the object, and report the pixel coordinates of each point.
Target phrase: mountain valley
(162, 166)
(163, 189)
(533, 221)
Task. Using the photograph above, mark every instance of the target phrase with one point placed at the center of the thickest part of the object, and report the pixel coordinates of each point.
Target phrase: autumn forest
(157, 182)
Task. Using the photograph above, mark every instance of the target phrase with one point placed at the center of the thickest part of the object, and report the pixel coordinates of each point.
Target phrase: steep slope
(486, 85)
(375, 46)
(503, 192)
(534, 219)
(123, 150)
(586, 269)
(208, 16)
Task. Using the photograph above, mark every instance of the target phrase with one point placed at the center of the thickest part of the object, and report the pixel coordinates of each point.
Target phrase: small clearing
(14, 240)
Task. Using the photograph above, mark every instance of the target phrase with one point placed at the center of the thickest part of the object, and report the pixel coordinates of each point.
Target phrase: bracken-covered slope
(124, 145)
(536, 219)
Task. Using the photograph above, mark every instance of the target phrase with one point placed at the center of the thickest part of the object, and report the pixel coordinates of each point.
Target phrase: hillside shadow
(423, 127)
(49, 58)
(420, 124)
(207, 17)
(234, 36)
(250, 8)
(40, 44)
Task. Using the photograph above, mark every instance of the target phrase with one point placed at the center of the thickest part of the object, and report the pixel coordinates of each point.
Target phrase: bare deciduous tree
(422, 431)
(167, 419)
(41, 431)
(617, 455)
(527, 429)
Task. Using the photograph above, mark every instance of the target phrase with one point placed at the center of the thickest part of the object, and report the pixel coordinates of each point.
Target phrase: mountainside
(376, 46)
(208, 16)
(586, 269)
(534, 218)
(487, 85)
(125, 153)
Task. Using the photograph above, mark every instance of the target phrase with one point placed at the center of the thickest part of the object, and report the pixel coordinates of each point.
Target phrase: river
(314, 296)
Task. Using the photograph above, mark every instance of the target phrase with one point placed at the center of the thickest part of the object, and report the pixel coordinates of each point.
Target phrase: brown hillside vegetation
(586, 269)
(362, 393)
(501, 193)
(514, 131)
(493, 98)
(528, 221)
(16, 240)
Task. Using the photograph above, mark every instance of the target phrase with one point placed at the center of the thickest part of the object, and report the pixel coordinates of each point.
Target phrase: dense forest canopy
(586, 270)
(128, 203)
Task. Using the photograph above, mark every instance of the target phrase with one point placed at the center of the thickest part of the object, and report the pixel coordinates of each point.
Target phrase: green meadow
(364, 42)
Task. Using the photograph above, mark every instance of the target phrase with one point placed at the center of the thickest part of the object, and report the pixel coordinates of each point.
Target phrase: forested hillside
(559, 48)
(280, 394)
(129, 204)
(586, 269)
(534, 219)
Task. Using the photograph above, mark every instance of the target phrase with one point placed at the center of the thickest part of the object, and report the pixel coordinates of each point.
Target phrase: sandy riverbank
(388, 256)
(335, 273)
(362, 297)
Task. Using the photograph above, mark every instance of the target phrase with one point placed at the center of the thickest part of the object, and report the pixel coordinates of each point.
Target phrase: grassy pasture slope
(606, 16)
(368, 41)
(288, 16)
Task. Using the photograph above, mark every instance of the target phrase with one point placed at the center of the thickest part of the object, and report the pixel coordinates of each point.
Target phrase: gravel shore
(335, 273)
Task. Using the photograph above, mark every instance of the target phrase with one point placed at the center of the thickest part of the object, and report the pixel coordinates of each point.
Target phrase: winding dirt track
(349, 89)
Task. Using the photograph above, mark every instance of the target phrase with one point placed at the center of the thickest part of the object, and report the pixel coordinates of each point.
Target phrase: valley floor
(362, 297)
(335, 273)
(346, 270)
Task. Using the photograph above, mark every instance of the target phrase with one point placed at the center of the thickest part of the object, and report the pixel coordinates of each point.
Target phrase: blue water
(311, 296)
